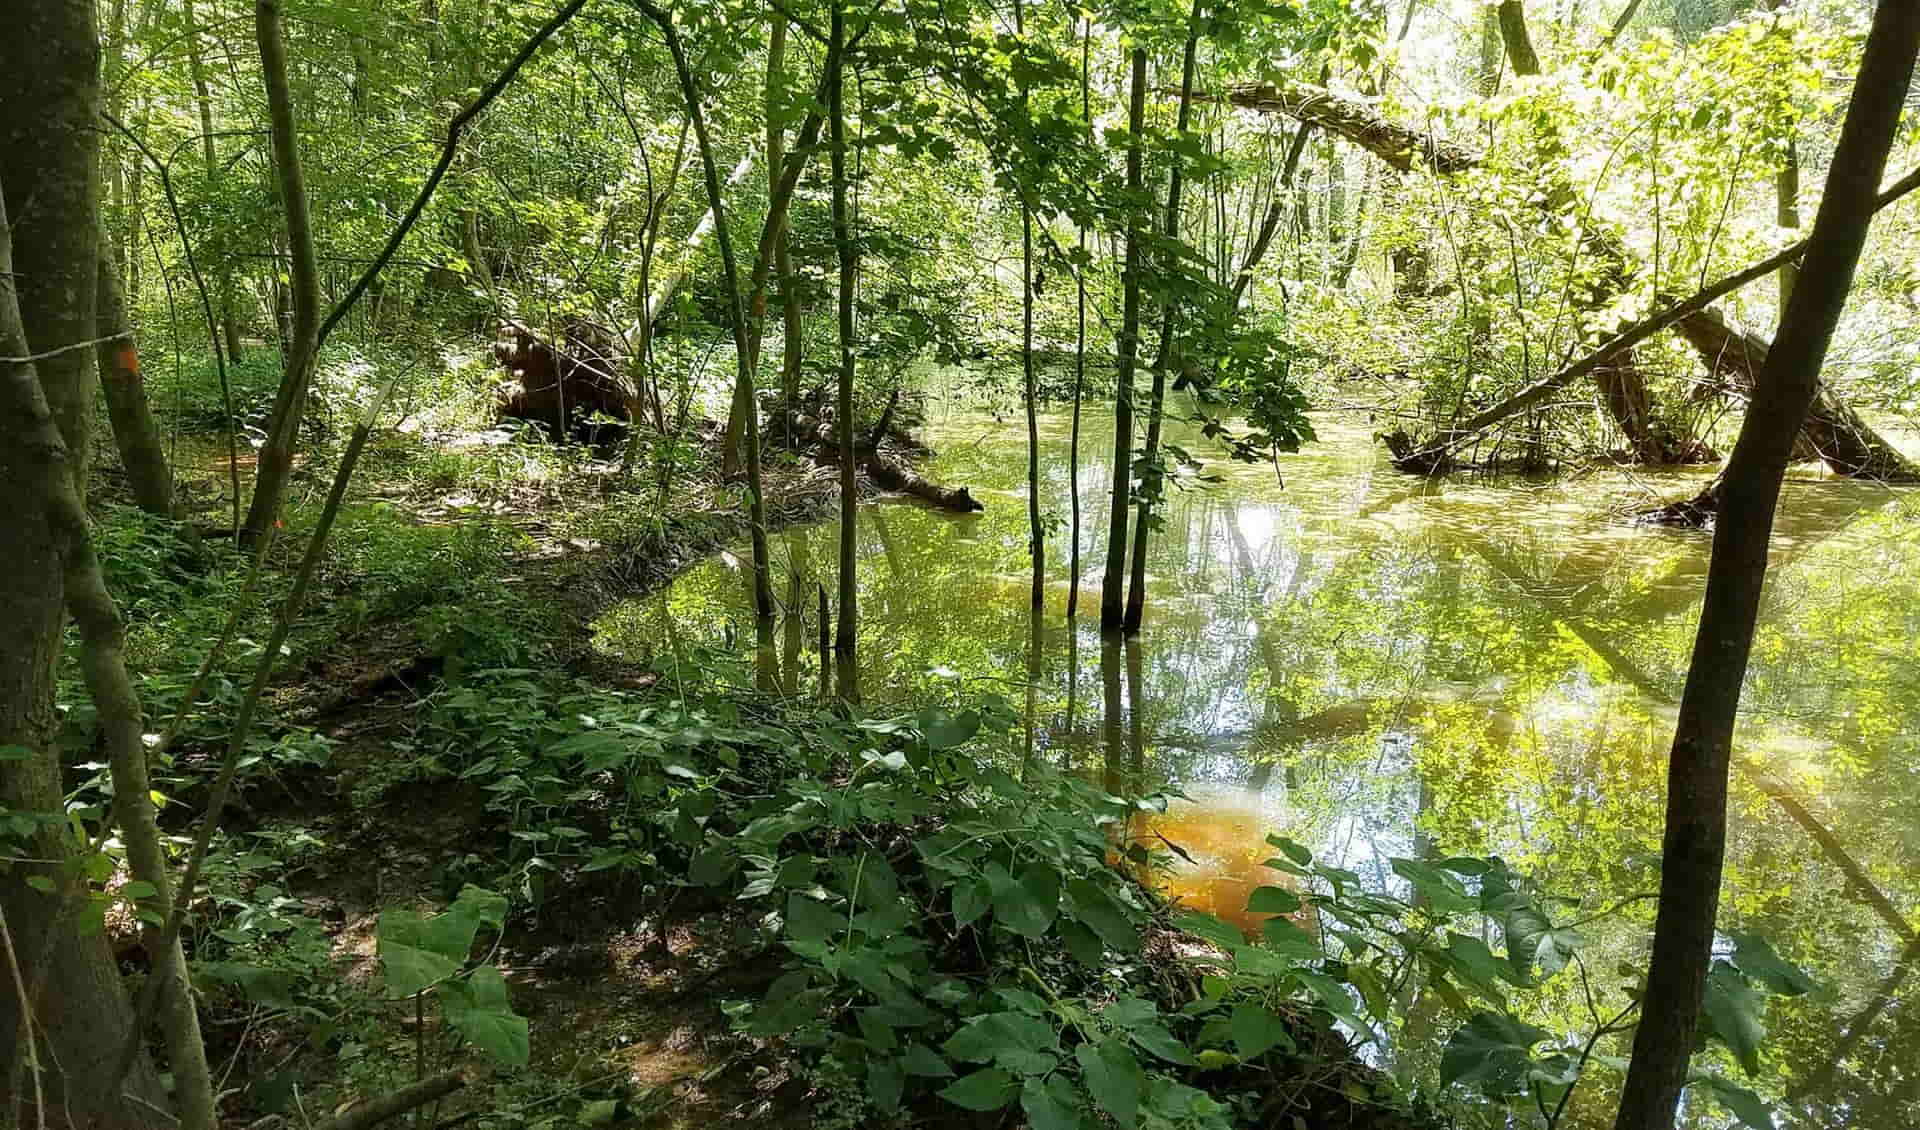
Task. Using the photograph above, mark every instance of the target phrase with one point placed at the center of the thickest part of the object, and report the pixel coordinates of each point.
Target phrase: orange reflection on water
(1225, 844)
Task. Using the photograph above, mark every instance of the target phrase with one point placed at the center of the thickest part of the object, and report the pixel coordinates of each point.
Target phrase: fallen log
(885, 471)
(903, 479)
(1847, 444)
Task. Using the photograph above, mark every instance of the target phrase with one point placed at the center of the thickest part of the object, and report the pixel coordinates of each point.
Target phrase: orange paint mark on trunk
(127, 360)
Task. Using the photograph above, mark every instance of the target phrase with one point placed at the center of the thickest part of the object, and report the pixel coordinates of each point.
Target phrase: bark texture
(290, 401)
(142, 454)
(75, 1005)
(1694, 845)
(1113, 581)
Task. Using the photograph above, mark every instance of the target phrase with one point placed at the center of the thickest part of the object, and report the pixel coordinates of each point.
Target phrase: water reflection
(1381, 667)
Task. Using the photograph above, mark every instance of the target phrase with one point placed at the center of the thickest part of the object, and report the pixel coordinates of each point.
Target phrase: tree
(846, 637)
(72, 1016)
(1113, 583)
(134, 432)
(1694, 843)
(290, 401)
(1152, 478)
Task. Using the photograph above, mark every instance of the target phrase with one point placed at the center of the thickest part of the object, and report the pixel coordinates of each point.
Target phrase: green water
(1381, 667)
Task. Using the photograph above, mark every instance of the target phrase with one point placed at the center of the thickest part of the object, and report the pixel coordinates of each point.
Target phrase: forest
(1292, 564)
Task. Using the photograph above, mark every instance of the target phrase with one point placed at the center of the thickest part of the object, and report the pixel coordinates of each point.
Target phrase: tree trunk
(792, 344)
(743, 355)
(1152, 480)
(49, 94)
(134, 432)
(1036, 533)
(1694, 845)
(1513, 33)
(846, 638)
(290, 402)
(1113, 582)
(1079, 361)
(210, 158)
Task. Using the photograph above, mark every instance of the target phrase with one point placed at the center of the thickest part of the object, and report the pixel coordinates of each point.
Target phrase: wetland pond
(1378, 666)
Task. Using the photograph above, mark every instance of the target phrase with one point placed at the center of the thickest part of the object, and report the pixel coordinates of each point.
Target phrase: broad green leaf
(1334, 996)
(410, 954)
(486, 907)
(986, 1089)
(1026, 905)
(1104, 914)
(1255, 1031)
(999, 1035)
(885, 1081)
(1745, 1105)
(1753, 956)
(1492, 1051)
(1081, 943)
(1286, 939)
(922, 1060)
(478, 1009)
(1296, 852)
(945, 731)
(1732, 1010)
(1156, 1039)
(1113, 1078)
(1441, 890)
(971, 898)
(1476, 965)
(809, 920)
(1273, 900)
(1050, 1104)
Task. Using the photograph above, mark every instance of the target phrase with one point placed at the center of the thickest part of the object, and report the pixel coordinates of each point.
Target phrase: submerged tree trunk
(846, 639)
(1152, 480)
(1113, 582)
(134, 432)
(1694, 845)
(290, 402)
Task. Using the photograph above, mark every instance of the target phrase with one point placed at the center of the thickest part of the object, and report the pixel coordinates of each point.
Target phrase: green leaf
(1745, 1105)
(987, 1089)
(1732, 1010)
(1334, 996)
(1475, 964)
(1156, 1039)
(484, 906)
(1443, 892)
(885, 1081)
(1255, 1031)
(923, 1061)
(1491, 1050)
(1113, 1078)
(138, 890)
(411, 953)
(1753, 956)
(1081, 943)
(1049, 1104)
(478, 1009)
(1010, 1039)
(1027, 905)
(945, 731)
(1286, 939)
(1296, 852)
(1104, 913)
(971, 898)
(712, 866)
(1273, 900)
(809, 920)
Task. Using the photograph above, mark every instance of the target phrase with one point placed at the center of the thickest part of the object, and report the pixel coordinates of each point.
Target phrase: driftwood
(1844, 441)
(873, 451)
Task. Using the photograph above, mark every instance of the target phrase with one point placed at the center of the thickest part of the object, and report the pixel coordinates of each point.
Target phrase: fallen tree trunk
(899, 477)
(1847, 444)
(887, 472)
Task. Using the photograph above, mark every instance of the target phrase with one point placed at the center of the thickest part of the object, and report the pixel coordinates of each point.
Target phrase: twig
(375, 1111)
(31, 358)
(26, 1020)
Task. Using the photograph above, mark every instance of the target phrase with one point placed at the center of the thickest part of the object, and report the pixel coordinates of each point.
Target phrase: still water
(1378, 666)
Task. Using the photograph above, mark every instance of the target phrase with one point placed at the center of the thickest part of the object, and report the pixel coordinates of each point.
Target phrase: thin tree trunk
(1112, 598)
(846, 639)
(1787, 193)
(1152, 479)
(1079, 355)
(1694, 844)
(210, 157)
(1036, 534)
(782, 257)
(134, 432)
(290, 402)
(743, 355)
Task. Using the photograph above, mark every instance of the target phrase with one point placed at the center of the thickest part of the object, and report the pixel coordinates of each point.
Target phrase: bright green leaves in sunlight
(421, 952)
